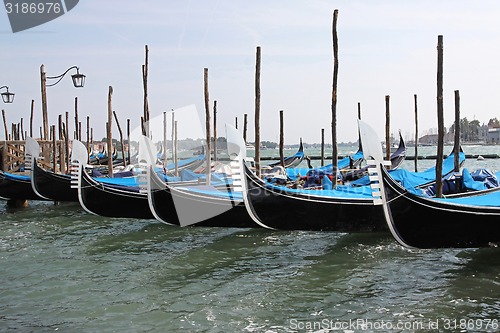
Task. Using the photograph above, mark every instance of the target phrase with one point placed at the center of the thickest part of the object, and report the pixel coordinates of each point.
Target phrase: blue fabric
(342, 191)
(187, 161)
(326, 183)
(415, 179)
(486, 176)
(470, 183)
(130, 181)
(16, 177)
(238, 196)
(485, 200)
(293, 173)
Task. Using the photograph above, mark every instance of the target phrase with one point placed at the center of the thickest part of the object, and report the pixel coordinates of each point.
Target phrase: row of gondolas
(378, 197)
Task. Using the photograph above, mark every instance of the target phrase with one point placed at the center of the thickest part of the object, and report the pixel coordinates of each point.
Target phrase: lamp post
(7, 96)
(78, 81)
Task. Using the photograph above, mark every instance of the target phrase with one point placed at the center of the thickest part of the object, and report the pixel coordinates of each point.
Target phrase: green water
(64, 270)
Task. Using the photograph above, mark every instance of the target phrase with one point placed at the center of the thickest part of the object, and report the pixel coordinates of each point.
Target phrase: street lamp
(78, 81)
(7, 96)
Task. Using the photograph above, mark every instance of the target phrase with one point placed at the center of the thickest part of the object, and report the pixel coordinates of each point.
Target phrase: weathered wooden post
(5, 156)
(76, 120)
(88, 134)
(31, 116)
(456, 147)
(334, 97)
(128, 140)
(387, 129)
(43, 80)
(109, 132)
(145, 71)
(416, 133)
(5, 126)
(207, 125)
(322, 147)
(439, 161)
(22, 130)
(245, 116)
(176, 148)
(174, 153)
(282, 140)
(62, 155)
(215, 131)
(54, 150)
(124, 157)
(66, 139)
(359, 135)
(257, 111)
(164, 138)
(236, 122)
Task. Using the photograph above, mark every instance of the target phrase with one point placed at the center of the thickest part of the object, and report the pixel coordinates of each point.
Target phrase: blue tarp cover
(17, 177)
(342, 191)
(293, 173)
(485, 200)
(409, 179)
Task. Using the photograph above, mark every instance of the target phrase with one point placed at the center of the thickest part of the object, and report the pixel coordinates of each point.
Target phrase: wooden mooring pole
(31, 117)
(245, 116)
(122, 142)
(282, 140)
(145, 72)
(257, 111)
(456, 148)
(215, 131)
(440, 117)
(416, 132)
(387, 129)
(322, 147)
(334, 97)
(207, 125)
(109, 132)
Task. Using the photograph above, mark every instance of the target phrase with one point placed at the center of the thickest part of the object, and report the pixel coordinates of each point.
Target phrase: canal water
(64, 270)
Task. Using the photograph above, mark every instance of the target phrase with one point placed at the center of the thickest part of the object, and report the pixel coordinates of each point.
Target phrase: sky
(386, 47)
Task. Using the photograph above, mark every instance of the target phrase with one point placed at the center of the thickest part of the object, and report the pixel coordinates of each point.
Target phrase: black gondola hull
(283, 210)
(16, 189)
(104, 200)
(53, 186)
(163, 204)
(426, 223)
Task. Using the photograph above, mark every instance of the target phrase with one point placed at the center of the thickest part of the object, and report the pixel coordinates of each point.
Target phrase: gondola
(106, 199)
(397, 158)
(416, 221)
(51, 185)
(47, 184)
(102, 157)
(468, 220)
(194, 203)
(345, 209)
(292, 161)
(16, 187)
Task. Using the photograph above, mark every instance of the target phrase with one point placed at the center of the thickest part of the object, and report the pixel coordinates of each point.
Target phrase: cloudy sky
(386, 47)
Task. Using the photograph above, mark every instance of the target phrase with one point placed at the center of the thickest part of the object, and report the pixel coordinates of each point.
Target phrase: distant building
(483, 133)
(429, 139)
(493, 135)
